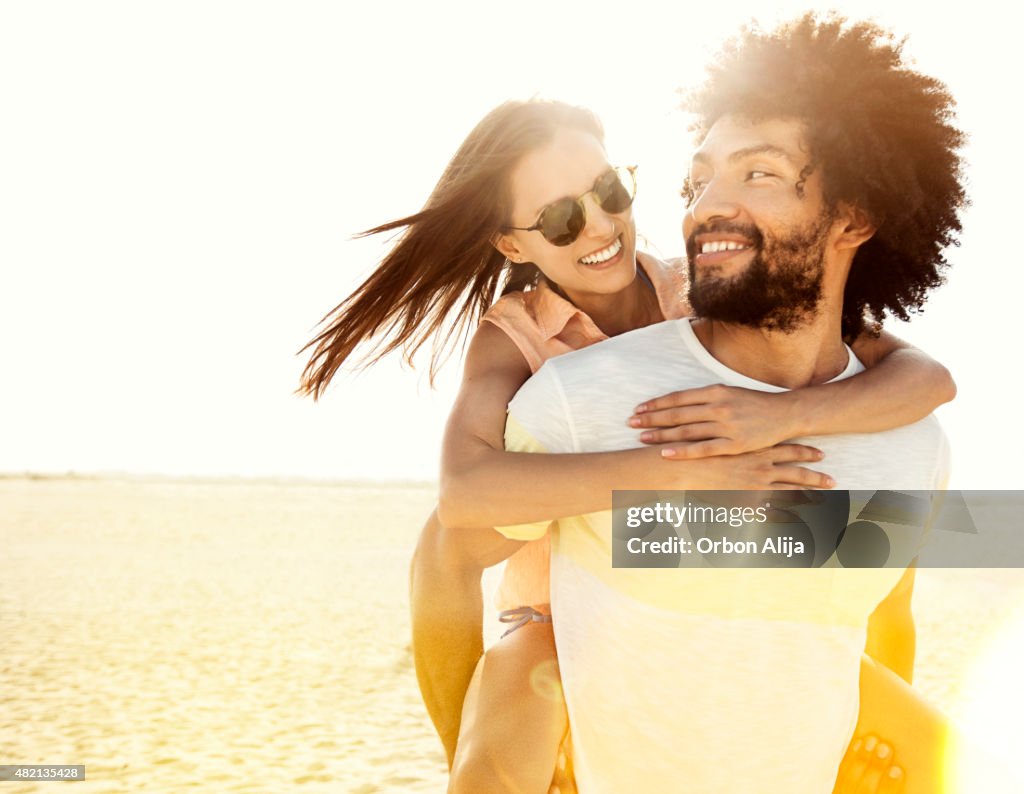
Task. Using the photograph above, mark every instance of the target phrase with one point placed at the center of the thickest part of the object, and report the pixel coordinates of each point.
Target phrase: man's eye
(758, 174)
(691, 189)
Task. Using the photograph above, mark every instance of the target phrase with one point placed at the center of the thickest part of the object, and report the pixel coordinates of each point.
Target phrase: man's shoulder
(593, 365)
(911, 457)
(638, 345)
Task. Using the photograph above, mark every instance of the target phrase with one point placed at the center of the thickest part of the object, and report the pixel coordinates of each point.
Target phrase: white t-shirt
(702, 680)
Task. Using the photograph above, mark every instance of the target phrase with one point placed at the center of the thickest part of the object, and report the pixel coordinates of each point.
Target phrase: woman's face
(602, 260)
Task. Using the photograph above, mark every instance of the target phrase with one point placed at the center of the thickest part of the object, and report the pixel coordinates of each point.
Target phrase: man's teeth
(604, 254)
(724, 245)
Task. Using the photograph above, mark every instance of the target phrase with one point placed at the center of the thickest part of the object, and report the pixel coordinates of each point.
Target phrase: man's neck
(813, 353)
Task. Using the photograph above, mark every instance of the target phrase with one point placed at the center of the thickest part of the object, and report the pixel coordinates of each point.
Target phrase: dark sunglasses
(562, 221)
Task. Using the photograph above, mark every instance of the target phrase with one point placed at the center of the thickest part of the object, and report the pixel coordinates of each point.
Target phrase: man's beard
(780, 288)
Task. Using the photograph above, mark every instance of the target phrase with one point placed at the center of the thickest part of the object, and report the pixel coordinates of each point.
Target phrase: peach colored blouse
(543, 324)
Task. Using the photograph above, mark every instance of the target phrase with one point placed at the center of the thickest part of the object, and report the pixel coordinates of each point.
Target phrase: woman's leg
(447, 616)
(514, 718)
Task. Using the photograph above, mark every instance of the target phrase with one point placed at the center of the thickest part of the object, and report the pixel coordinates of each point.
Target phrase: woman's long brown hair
(444, 268)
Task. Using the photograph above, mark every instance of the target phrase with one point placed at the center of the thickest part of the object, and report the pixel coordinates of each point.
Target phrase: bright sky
(180, 182)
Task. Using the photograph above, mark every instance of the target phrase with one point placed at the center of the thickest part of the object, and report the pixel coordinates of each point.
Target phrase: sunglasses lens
(615, 190)
(562, 222)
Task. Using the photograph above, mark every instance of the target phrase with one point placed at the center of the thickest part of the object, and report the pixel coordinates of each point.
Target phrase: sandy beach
(254, 637)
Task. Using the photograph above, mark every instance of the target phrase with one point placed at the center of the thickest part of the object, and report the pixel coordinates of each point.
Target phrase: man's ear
(507, 247)
(856, 228)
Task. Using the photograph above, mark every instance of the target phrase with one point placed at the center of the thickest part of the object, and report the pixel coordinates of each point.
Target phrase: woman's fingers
(702, 431)
(748, 420)
(699, 449)
(676, 399)
(773, 461)
(794, 453)
(800, 477)
(674, 415)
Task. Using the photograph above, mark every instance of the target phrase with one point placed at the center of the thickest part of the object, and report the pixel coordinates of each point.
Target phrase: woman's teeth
(714, 248)
(604, 254)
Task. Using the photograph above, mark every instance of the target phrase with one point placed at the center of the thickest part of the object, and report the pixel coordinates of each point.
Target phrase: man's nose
(600, 224)
(715, 202)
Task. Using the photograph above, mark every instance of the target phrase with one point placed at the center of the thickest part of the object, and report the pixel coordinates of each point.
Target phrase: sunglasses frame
(537, 227)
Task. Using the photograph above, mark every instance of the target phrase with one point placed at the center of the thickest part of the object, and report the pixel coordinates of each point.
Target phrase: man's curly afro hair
(881, 133)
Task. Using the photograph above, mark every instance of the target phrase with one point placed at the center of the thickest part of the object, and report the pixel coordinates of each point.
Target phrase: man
(826, 185)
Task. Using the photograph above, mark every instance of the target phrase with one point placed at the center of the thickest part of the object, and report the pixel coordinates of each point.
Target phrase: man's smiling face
(757, 230)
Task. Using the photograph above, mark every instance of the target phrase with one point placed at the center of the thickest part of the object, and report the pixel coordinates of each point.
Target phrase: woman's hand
(717, 420)
(774, 468)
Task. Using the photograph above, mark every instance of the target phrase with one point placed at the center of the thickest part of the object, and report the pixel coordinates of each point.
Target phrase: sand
(212, 637)
(254, 637)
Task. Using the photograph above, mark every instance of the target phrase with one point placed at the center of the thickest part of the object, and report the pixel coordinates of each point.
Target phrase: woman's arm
(484, 486)
(901, 385)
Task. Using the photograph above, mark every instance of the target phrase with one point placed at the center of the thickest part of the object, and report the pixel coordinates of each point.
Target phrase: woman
(529, 202)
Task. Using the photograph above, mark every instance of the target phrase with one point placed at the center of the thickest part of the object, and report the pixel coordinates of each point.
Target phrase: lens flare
(986, 757)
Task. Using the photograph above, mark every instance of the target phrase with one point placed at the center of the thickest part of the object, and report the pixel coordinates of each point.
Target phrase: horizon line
(213, 479)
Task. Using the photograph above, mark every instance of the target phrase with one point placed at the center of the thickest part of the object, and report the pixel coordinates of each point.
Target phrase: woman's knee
(440, 549)
(477, 770)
